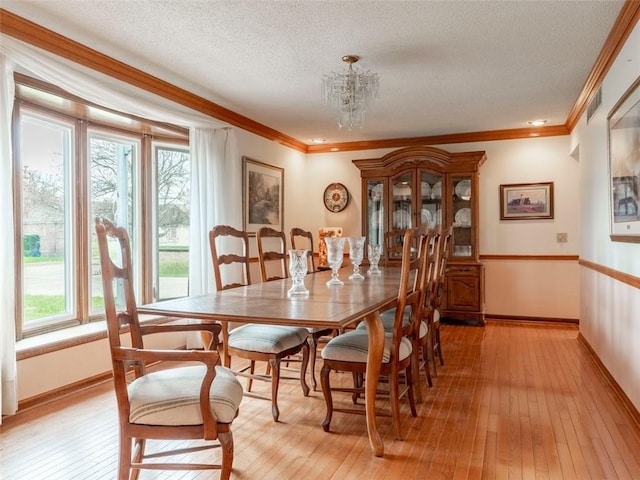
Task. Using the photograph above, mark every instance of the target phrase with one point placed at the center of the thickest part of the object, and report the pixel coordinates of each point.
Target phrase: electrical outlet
(561, 237)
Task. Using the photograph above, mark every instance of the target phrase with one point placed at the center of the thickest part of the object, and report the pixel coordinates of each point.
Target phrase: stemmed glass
(335, 252)
(298, 270)
(356, 254)
(374, 252)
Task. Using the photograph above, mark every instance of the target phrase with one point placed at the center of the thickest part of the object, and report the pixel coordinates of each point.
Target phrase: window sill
(67, 338)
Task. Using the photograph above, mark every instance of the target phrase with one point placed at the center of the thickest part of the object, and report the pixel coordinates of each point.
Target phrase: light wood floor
(513, 401)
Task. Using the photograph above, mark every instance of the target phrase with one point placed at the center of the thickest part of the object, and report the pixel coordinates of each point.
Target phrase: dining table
(335, 307)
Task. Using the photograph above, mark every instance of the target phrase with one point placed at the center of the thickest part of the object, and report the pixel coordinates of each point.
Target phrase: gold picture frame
(262, 195)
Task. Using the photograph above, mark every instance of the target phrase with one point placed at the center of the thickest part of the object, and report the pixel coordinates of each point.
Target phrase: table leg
(374, 361)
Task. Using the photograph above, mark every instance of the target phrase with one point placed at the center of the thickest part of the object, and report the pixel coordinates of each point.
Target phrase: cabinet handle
(464, 269)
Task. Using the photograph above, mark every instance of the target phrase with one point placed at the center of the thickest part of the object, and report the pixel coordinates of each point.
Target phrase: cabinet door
(375, 211)
(463, 290)
(402, 201)
(462, 243)
(430, 198)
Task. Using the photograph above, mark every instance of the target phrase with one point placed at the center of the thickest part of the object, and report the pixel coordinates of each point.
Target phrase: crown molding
(625, 23)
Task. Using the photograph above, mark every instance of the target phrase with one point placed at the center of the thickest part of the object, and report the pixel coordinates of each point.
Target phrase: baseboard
(628, 405)
(519, 318)
(63, 391)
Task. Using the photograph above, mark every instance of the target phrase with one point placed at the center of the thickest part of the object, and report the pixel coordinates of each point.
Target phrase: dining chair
(315, 334)
(422, 270)
(439, 291)
(348, 352)
(253, 342)
(179, 403)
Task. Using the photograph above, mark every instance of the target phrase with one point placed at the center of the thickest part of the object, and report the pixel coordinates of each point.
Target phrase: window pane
(46, 210)
(172, 234)
(112, 197)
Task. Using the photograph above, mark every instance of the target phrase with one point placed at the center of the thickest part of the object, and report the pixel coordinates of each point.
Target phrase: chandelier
(349, 93)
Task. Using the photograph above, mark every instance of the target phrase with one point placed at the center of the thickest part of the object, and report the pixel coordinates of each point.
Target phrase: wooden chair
(267, 343)
(348, 352)
(422, 283)
(188, 402)
(315, 334)
(439, 290)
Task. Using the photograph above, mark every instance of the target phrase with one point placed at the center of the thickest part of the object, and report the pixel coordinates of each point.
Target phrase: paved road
(48, 279)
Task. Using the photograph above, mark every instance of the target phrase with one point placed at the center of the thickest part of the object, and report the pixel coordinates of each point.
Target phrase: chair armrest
(128, 354)
(212, 328)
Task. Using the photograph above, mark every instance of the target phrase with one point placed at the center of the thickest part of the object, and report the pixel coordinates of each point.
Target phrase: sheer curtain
(8, 399)
(213, 157)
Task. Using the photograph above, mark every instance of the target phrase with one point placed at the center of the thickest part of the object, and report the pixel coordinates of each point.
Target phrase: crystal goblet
(374, 252)
(356, 254)
(298, 270)
(335, 252)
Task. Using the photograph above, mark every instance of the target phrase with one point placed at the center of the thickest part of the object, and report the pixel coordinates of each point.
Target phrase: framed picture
(262, 195)
(624, 166)
(526, 201)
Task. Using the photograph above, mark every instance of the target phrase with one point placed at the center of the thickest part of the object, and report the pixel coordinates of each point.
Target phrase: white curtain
(213, 156)
(214, 173)
(9, 396)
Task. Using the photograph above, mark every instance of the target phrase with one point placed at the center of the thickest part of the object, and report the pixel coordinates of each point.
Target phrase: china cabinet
(415, 185)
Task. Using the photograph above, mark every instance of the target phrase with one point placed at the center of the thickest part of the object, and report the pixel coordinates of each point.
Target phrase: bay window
(75, 161)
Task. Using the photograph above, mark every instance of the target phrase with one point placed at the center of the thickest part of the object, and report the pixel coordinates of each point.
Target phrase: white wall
(610, 310)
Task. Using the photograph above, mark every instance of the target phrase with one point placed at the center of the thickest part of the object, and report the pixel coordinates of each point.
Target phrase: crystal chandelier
(349, 93)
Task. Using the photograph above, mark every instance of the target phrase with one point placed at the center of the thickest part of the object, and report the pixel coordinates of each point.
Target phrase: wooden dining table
(325, 306)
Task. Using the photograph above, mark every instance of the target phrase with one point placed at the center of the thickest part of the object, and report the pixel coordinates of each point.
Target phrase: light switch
(561, 237)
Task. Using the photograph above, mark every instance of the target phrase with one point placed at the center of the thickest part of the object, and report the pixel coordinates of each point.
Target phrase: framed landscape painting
(263, 195)
(526, 201)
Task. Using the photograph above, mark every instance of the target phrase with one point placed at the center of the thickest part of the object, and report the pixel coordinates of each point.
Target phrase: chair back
(233, 266)
(117, 282)
(393, 244)
(306, 242)
(443, 247)
(272, 254)
(409, 295)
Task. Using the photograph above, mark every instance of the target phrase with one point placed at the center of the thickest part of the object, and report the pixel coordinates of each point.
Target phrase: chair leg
(226, 442)
(124, 468)
(394, 393)
(252, 370)
(303, 369)
(313, 347)
(415, 359)
(427, 357)
(326, 393)
(275, 382)
(439, 346)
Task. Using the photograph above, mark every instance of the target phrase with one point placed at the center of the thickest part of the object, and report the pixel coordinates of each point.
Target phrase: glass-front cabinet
(417, 185)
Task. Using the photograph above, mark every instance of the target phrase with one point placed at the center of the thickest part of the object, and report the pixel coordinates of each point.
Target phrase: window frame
(83, 115)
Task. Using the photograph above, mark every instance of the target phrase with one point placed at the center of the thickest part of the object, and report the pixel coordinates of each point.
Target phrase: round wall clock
(336, 197)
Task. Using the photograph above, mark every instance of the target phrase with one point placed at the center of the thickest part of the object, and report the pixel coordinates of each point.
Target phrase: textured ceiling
(444, 66)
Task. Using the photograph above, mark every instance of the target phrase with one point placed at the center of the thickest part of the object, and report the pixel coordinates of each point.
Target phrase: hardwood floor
(513, 401)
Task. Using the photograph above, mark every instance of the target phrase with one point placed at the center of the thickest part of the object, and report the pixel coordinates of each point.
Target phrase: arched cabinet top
(424, 157)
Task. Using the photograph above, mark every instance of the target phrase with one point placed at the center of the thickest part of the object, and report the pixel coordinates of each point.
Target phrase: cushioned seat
(171, 397)
(353, 347)
(387, 322)
(267, 338)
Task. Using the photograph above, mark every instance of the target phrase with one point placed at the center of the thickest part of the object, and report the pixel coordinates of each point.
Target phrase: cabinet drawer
(463, 270)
